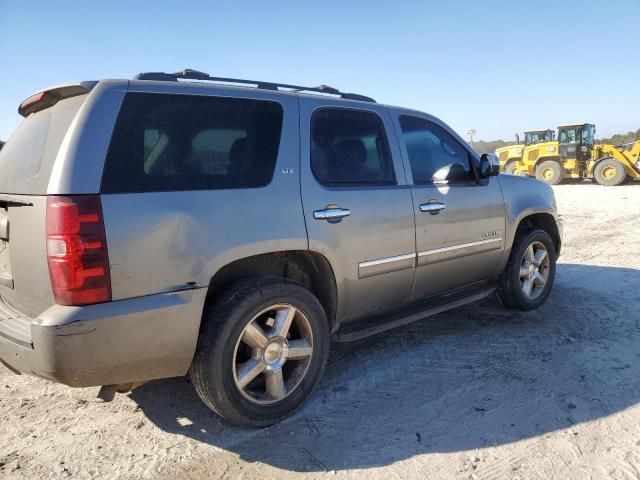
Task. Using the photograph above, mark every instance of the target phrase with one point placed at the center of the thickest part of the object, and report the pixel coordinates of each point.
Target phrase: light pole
(471, 132)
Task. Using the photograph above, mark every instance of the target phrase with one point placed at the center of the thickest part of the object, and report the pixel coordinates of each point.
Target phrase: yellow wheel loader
(510, 155)
(575, 156)
(614, 164)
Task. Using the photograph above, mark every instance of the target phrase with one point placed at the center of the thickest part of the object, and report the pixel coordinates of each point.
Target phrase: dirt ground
(479, 392)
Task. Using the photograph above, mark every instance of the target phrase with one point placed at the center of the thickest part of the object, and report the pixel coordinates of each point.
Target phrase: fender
(524, 197)
(553, 158)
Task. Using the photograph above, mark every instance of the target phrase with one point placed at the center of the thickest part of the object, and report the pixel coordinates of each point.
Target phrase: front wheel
(527, 280)
(609, 172)
(510, 168)
(550, 172)
(261, 352)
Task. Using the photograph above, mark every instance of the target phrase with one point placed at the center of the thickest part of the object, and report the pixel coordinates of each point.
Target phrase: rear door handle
(331, 213)
(432, 207)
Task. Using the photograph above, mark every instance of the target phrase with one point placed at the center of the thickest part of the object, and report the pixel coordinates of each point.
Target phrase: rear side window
(350, 147)
(185, 142)
(26, 160)
(435, 156)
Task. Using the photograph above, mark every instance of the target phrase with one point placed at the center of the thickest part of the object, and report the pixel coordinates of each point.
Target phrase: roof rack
(189, 74)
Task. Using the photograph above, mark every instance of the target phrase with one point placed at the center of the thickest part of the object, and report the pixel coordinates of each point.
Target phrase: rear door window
(26, 160)
(184, 142)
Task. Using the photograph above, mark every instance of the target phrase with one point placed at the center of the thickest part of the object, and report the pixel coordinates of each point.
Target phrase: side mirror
(489, 165)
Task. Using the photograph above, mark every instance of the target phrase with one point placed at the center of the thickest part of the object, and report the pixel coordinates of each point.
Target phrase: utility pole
(471, 132)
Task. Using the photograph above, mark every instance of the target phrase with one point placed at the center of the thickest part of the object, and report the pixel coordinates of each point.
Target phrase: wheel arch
(528, 219)
(552, 158)
(511, 161)
(544, 221)
(310, 269)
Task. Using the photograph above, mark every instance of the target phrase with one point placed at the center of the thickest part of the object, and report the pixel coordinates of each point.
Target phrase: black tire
(223, 323)
(609, 172)
(510, 288)
(510, 167)
(555, 172)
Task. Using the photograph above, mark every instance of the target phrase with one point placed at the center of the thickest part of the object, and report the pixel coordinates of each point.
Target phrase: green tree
(482, 146)
(620, 138)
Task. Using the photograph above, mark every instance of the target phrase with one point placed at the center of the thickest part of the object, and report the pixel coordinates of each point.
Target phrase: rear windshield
(27, 158)
(165, 142)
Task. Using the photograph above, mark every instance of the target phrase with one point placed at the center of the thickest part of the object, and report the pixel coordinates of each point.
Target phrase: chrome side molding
(386, 265)
(458, 247)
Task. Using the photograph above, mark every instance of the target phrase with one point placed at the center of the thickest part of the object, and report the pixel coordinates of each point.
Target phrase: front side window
(350, 147)
(531, 138)
(587, 135)
(434, 155)
(568, 135)
(167, 142)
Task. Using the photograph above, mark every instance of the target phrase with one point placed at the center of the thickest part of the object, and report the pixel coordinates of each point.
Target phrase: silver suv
(230, 229)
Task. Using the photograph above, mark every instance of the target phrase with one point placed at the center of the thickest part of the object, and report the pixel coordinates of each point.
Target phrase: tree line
(482, 146)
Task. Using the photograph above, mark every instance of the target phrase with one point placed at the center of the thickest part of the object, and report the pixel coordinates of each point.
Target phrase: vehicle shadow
(470, 378)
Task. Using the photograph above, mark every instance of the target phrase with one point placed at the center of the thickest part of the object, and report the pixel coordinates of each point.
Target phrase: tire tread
(213, 338)
(507, 292)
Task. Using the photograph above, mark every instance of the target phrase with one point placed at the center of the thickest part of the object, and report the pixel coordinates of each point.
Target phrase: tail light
(77, 250)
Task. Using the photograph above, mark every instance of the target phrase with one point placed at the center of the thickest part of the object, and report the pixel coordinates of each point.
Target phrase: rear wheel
(527, 280)
(510, 168)
(550, 172)
(261, 352)
(609, 172)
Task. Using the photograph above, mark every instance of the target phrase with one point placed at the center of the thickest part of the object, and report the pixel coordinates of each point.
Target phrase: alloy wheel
(272, 354)
(534, 270)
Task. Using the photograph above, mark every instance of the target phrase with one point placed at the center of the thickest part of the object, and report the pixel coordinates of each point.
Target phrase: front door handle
(331, 213)
(432, 207)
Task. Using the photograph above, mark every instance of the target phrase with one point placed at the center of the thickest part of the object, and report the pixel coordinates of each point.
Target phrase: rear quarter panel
(80, 160)
(77, 169)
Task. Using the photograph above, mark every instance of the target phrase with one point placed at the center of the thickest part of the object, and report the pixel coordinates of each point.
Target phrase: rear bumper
(109, 343)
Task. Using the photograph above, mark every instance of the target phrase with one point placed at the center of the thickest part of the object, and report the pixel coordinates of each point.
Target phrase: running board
(380, 322)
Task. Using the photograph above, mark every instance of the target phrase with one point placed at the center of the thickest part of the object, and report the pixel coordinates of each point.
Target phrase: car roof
(197, 76)
(159, 82)
(188, 79)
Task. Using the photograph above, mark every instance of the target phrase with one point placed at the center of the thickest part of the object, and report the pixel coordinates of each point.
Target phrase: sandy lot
(480, 392)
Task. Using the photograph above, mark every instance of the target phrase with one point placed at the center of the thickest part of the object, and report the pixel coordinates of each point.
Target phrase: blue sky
(497, 66)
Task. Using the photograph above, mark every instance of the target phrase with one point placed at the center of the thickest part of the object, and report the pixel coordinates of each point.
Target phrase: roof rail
(189, 74)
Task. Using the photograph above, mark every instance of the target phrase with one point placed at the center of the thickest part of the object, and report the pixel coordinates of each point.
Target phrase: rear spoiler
(51, 96)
